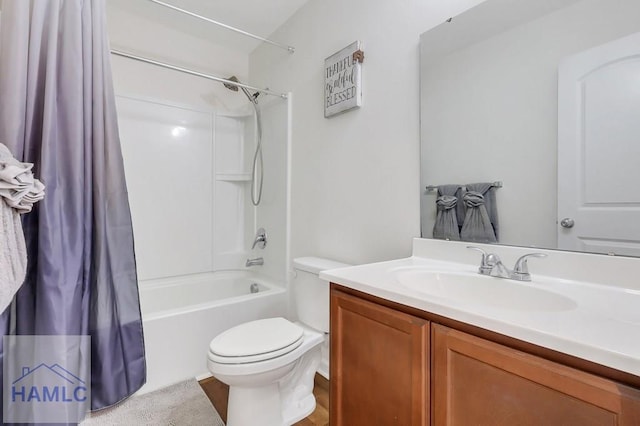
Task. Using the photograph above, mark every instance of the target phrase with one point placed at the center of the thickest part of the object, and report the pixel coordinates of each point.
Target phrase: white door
(599, 149)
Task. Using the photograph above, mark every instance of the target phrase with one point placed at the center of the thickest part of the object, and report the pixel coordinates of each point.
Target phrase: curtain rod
(291, 49)
(196, 73)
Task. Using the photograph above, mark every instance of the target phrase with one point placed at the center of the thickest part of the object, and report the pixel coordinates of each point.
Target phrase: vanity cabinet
(382, 354)
(379, 364)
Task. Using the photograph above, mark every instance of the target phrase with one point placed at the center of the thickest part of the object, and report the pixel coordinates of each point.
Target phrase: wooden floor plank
(218, 394)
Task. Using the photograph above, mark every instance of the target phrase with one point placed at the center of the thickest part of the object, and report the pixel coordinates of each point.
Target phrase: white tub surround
(595, 315)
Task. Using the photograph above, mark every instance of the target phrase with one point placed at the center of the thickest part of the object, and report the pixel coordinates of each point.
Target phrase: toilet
(270, 364)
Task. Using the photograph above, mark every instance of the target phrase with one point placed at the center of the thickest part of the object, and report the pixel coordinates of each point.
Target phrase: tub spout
(254, 262)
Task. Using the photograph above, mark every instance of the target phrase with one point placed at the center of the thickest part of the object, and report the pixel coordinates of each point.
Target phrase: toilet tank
(311, 294)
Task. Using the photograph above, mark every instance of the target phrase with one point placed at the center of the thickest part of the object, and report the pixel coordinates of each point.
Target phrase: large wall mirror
(542, 97)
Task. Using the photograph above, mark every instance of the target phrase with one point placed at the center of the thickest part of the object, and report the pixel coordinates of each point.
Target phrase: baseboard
(203, 376)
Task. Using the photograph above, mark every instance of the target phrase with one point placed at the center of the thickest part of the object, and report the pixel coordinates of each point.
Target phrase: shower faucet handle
(260, 239)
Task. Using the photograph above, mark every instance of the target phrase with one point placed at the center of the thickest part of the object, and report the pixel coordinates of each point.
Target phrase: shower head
(232, 86)
(253, 98)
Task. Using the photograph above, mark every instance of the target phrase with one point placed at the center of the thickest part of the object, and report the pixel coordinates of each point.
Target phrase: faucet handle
(260, 239)
(484, 253)
(521, 268)
(486, 262)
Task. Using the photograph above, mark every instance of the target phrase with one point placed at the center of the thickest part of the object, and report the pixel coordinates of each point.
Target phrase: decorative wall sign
(343, 80)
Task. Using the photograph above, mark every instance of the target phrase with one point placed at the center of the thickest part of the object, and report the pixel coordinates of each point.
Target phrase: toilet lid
(256, 341)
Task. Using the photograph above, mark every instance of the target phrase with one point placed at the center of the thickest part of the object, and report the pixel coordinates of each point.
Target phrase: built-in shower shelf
(233, 177)
(237, 114)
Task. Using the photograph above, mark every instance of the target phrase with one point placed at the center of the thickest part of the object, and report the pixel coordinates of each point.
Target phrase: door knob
(567, 222)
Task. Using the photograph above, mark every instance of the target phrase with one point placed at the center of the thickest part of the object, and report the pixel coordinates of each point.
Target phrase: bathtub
(182, 315)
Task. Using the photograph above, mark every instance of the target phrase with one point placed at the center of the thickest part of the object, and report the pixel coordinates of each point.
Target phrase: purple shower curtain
(57, 110)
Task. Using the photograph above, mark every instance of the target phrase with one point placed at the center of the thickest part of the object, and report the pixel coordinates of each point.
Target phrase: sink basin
(472, 288)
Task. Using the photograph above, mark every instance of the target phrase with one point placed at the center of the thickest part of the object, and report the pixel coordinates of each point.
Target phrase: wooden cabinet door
(379, 365)
(478, 382)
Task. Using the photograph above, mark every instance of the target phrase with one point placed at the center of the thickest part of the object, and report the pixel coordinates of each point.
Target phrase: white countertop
(603, 326)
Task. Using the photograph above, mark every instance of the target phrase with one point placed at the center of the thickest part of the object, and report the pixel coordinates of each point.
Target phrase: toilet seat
(256, 341)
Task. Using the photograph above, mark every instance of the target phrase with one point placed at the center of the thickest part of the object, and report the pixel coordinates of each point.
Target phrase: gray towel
(19, 190)
(488, 191)
(18, 187)
(477, 226)
(13, 254)
(447, 225)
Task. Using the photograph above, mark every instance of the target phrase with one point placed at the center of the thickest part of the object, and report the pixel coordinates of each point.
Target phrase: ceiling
(259, 17)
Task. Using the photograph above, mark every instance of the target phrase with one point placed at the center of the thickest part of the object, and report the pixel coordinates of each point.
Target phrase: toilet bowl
(276, 387)
(270, 364)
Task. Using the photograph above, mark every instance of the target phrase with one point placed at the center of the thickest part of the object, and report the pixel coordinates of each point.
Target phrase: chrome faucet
(260, 239)
(254, 262)
(491, 265)
(498, 269)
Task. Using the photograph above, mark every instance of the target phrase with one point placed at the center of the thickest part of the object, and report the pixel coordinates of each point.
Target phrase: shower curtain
(57, 110)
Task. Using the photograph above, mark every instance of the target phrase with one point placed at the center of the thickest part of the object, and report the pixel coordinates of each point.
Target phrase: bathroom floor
(218, 393)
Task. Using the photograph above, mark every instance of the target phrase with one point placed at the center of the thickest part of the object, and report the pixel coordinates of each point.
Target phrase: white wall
(490, 113)
(355, 178)
(132, 32)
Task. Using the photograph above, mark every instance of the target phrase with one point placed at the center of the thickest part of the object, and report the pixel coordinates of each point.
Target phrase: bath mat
(182, 404)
